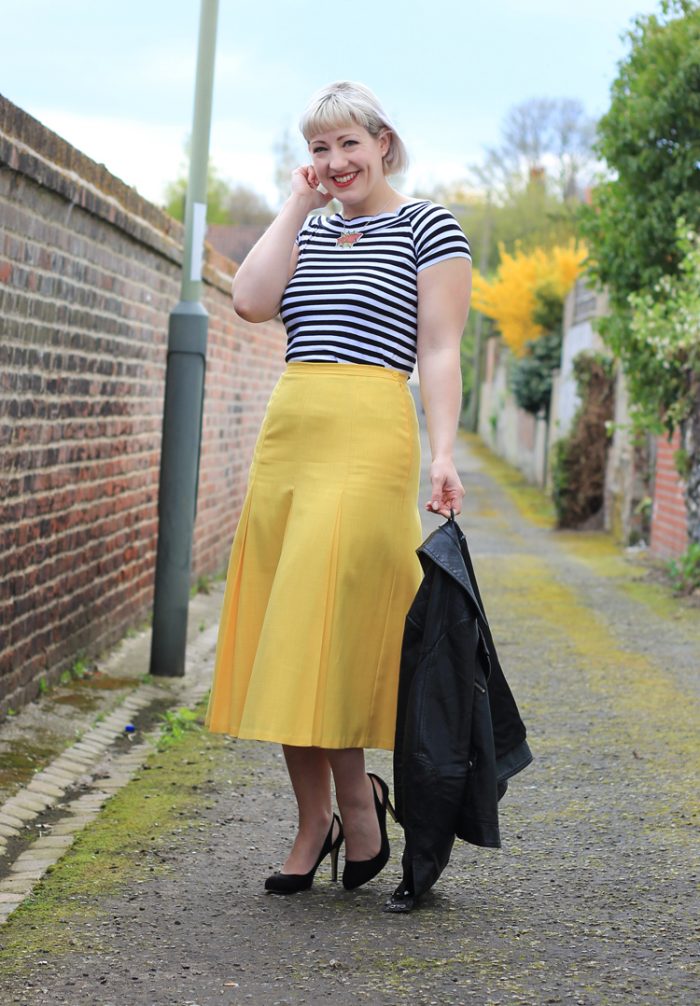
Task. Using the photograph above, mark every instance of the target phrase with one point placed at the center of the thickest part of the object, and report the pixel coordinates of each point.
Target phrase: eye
(318, 150)
(351, 142)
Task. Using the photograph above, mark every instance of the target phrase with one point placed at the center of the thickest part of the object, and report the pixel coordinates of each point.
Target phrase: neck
(376, 202)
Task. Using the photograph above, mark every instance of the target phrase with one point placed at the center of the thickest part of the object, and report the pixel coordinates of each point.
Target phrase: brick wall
(669, 525)
(88, 274)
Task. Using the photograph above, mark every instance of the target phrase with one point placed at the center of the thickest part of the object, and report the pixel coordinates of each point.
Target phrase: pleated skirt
(323, 565)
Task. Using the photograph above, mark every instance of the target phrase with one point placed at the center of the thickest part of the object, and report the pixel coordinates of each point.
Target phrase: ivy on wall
(578, 467)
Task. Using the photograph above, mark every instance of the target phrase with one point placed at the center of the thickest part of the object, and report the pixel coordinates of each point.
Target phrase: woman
(323, 566)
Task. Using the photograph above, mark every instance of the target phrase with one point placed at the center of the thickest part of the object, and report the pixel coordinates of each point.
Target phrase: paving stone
(54, 774)
(70, 826)
(101, 736)
(119, 778)
(17, 814)
(86, 806)
(46, 787)
(33, 867)
(137, 756)
(15, 884)
(75, 757)
(8, 831)
(92, 796)
(11, 821)
(27, 877)
(75, 768)
(52, 842)
(30, 859)
(90, 748)
(30, 801)
(7, 898)
(116, 782)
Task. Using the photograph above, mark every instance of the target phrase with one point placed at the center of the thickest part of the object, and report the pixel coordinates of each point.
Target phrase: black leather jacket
(459, 736)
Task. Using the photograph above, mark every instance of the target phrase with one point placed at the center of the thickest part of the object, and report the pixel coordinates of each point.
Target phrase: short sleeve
(305, 231)
(438, 236)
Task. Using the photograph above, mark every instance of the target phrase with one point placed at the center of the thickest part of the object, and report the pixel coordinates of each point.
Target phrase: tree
(527, 290)
(246, 206)
(226, 203)
(650, 138)
(217, 194)
(547, 138)
(531, 377)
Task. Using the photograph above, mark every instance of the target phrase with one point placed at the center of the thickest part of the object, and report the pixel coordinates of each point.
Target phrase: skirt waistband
(346, 370)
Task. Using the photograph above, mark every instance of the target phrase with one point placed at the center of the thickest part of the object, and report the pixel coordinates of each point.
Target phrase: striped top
(355, 301)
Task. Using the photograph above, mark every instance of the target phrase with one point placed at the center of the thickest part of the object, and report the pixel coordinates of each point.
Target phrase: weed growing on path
(175, 723)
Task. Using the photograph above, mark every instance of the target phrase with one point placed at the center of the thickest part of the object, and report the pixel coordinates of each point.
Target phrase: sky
(116, 79)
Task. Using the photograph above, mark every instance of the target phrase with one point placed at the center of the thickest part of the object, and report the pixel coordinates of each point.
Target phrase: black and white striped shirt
(356, 301)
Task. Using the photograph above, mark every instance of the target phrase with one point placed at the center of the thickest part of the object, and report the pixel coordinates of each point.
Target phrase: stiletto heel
(358, 872)
(390, 808)
(290, 883)
(335, 852)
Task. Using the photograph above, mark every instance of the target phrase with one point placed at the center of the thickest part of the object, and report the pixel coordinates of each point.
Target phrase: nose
(337, 163)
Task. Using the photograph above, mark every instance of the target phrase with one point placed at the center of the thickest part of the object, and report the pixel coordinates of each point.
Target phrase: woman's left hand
(447, 489)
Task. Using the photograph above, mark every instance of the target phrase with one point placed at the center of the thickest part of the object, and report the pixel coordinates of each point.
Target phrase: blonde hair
(345, 101)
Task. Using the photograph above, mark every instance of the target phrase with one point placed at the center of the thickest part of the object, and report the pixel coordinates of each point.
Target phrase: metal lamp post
(184, 389)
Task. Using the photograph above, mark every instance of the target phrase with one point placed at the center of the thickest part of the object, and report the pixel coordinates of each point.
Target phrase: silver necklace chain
(346, 224)
(351, 235)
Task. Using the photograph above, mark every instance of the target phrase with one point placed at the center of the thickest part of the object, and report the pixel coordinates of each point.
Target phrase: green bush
(531, 376)
(685, 570)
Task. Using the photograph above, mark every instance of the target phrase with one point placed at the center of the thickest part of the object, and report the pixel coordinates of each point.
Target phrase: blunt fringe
(346, 101)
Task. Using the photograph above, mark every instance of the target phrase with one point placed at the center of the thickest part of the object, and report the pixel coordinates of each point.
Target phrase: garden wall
(89, 271)
(669, 518)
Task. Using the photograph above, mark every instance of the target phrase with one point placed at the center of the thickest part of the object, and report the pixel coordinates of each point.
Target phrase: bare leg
(353, 790)
(309, 771)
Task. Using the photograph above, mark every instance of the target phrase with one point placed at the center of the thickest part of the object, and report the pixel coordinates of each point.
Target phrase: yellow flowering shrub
(510, 297)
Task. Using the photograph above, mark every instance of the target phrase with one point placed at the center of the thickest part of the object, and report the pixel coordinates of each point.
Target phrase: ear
(384, 141)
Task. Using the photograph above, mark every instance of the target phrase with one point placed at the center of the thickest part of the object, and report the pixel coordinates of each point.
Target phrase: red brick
(82, 370)
(669, 527)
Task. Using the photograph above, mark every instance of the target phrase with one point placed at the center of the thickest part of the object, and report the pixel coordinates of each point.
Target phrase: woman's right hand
(259, 284)
(305, 184)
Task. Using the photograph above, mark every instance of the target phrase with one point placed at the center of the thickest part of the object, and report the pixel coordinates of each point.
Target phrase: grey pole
(184, 389)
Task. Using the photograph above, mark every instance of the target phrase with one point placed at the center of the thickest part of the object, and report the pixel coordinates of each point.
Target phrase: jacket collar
(444, 548)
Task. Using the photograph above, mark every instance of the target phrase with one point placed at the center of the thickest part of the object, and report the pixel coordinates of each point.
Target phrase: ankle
(318, 824)
(358, 801)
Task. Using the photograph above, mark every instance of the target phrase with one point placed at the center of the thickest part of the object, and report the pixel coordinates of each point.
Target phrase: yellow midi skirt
(323, 566)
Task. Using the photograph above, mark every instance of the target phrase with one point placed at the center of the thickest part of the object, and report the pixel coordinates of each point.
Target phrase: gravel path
(592, 900)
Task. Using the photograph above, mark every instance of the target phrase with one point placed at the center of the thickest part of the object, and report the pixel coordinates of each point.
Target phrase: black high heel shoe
(290, 883)
(359, 871)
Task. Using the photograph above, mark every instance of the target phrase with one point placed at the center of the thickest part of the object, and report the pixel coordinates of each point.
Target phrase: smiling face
(348, 162)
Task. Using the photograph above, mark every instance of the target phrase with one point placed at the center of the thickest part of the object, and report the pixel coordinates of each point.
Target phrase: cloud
(142, 154)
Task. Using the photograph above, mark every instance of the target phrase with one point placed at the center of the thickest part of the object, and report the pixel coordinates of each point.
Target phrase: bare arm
(444, 291)
(260, 281)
